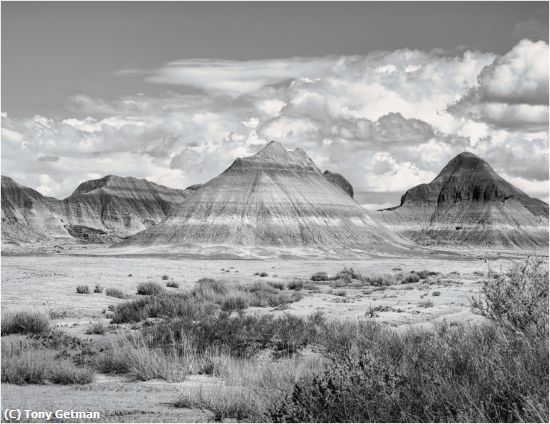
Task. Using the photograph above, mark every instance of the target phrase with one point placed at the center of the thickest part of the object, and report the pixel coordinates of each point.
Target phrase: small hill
(274, 198)
(468, 203)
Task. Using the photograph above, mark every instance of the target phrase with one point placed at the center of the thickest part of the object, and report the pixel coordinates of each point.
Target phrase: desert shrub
(29, 363)
(98, 288)
(320, 276)
(426, 303)
(83, 289)
(348, 274)
(277, 285)
(66, 372)
(478, 274)
(340, 293)
(295, 285)
(115, 293)
(142, 359)
(517, 298)
(96, 328)
(149, 288)
(162, 306)
(235, 302)
(379, 280)
(165, 277)
(436, 293)
(172, 284)
(451, 374)
(24, 322)
(411, 277)
(241, 335)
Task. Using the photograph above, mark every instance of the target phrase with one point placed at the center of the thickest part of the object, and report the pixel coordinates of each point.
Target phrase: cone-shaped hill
(274, 198)
(468, 203)
(102, 210)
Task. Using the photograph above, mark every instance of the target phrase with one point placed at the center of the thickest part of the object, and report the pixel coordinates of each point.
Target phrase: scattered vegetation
(425, 303)
(25, 363)
(24, 322)
(149, 288)
(83, 289)
(115, 293)
(320, 276)
(97, 328)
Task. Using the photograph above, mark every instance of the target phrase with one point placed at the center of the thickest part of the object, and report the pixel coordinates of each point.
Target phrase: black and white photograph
(274, 211)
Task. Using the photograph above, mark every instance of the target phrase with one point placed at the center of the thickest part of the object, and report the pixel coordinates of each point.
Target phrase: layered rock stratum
(102, 210)
(469, 204)
(275, 198)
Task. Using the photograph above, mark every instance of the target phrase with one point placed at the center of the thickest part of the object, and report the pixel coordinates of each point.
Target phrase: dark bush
(320, 276)
(149, 288)
(83, 289)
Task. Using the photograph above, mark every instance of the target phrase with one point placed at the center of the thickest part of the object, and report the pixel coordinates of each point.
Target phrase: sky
(386, 93)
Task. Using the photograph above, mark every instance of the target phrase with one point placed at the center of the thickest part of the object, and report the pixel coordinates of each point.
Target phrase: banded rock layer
(275, 198)
(468, 203)
(102, 210)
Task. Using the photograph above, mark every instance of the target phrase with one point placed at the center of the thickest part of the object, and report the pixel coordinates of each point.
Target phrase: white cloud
(381, 120)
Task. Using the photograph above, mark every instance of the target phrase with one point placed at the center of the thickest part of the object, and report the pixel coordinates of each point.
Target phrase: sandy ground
(48, 282)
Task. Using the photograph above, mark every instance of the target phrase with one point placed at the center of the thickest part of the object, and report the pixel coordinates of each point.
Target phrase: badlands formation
(469, 204)
(102, 210)
(275, 198)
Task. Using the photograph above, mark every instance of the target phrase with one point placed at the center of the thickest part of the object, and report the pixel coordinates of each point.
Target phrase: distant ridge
(276, 198)
(102, 210)
(468, 203)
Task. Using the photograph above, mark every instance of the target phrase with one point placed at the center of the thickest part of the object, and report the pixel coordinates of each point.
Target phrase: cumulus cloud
(512, 92)
(383, 120)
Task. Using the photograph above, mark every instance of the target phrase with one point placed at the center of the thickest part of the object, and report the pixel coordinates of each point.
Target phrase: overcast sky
(384, 93)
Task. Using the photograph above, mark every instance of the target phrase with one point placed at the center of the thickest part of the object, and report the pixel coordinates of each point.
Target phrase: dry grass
(26, 363)
(24, 322)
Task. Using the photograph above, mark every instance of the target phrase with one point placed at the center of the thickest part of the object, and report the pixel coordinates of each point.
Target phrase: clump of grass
(96, 328)
(235, 302)
(425, 303)
(98, 288)
(141, 359)
(172, 284)
(341, 293)
(295, 285)
(436, 293)
(277, 285)
(320, 276)
(26, 363)
(149, 288)
(83, 289)
(165, 277)
(115, 293)
(66, 372)
(24, 322)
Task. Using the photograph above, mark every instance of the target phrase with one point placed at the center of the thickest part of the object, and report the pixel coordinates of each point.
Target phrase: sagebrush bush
(149, 288)
(517, 298)
(98, 288)
(115, 293)
(172, 284)
(453, 374)
(24, 322)
(83, 289)
(96, 328)
(320, 276)
(425, 303)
